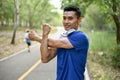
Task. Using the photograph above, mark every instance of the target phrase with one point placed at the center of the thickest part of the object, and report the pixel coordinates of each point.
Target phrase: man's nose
(66, 21)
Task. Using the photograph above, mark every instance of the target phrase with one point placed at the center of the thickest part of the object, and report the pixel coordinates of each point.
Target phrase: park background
(100, 20)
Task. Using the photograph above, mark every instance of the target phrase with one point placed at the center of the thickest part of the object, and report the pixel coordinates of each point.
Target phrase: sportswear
(71, 62)
(28, 41)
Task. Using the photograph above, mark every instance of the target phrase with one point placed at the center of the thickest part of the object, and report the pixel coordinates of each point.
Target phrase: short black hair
(73, 8)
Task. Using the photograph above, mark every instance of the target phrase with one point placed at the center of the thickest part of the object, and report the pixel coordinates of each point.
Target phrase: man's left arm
(47, 53)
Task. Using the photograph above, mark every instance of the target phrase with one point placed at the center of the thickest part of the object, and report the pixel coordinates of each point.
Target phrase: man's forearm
(38, 39)
(44, 48)
(34, 36)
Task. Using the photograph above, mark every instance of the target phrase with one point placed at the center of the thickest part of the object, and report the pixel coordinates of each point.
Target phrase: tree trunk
(117, 21)
(118, 35)
(30, 18)
(16, 20)
(2, 14)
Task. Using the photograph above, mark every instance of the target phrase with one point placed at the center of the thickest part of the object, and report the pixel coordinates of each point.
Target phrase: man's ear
(79, 20)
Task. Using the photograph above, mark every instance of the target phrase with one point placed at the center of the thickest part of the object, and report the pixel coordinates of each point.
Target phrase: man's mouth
(67, 26)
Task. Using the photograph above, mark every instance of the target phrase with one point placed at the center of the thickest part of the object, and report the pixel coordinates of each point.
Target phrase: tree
(95, 19)
(110, 7)
(16, 20)
(6, 12)
(36, 12)
(116, 16)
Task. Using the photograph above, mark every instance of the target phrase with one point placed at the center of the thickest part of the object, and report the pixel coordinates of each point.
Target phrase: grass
(102, 41)
(102, 45)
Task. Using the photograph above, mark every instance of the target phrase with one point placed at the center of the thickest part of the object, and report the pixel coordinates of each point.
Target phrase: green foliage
(102, 41)
(80, 3)
(98, 14)
(95, 19)
(110, 8)
(32, 13)
(38, 12)
(6, 9)
(116, 56)
(105, 5)
(104, 48)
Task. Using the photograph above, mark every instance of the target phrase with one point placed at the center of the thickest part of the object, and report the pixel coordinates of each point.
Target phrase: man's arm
(34, 36)
(48, 46)
(59, 43)
(47, 53)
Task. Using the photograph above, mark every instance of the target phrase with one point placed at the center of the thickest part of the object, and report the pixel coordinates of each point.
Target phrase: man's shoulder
(78, 33)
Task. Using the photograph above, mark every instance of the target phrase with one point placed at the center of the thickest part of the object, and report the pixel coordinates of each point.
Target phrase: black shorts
(28, 43)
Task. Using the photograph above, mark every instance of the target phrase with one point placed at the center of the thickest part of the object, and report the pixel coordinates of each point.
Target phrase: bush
(116, 57)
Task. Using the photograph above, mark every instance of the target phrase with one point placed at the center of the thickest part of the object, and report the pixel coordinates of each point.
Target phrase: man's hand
(46, 29)
(33, 36)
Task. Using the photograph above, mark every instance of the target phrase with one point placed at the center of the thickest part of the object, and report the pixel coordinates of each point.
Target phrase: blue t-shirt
(71, 62)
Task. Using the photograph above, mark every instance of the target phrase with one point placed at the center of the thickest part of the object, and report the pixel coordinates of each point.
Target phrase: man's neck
(70, 31)
(67, 32)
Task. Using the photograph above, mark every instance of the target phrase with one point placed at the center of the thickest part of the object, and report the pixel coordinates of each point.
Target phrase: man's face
(70, 20)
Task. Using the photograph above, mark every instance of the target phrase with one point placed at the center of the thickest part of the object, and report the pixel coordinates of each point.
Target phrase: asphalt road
(14, 67)
(28, 66)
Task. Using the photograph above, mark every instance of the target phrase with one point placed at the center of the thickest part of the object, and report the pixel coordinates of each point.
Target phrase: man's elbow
(44, 60)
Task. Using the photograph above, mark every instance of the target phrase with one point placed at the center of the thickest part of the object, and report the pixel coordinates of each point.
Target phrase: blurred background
(100, 20)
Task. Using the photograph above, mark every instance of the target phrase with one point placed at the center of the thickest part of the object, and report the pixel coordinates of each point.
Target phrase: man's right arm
(34, 36)
(47, 52)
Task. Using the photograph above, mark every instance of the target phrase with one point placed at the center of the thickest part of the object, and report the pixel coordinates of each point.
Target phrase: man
(71, 49)
(27, 40)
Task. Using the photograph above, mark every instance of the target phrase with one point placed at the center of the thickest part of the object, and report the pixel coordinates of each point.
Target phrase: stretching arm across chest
(60, 43)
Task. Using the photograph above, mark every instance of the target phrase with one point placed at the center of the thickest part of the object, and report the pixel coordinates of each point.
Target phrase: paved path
(12, 67)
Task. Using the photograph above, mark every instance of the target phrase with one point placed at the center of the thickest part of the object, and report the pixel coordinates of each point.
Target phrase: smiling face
(70, 20)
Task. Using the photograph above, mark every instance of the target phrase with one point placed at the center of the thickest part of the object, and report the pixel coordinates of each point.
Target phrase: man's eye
(70, 18)
(64, 18)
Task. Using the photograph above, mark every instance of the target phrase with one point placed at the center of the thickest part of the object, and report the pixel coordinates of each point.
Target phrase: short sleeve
(79, 40)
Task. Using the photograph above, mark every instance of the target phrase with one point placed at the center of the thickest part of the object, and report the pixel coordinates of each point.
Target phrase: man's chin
(67, 29)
